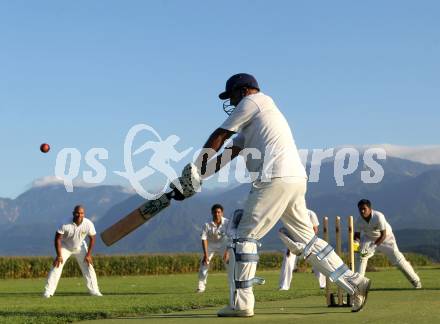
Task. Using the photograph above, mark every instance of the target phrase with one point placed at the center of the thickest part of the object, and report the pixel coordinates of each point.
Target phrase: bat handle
(175, 194)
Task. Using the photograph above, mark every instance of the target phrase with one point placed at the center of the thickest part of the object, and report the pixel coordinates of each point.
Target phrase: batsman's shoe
(47, 295)
(96, 294)
(230, 312)
(360, 296)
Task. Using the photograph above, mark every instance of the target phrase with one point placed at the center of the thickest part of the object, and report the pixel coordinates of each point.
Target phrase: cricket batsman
(279, 185)
(290, 260)
(214, 240)
(377, 235)
(70, 240)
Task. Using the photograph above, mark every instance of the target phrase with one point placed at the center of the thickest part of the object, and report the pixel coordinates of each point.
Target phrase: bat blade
(136, 218)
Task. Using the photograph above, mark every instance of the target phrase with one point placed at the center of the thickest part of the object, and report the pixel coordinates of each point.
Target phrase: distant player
(378, 235)
(214, 240)
(70, 240)
(290, 261)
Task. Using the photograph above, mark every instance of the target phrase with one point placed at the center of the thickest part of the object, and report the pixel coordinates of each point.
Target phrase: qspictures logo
(164, 157)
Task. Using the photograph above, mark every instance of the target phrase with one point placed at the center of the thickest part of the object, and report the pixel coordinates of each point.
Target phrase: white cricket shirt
(263, 128)
(74, 235)
(216, 235)
(372, 228)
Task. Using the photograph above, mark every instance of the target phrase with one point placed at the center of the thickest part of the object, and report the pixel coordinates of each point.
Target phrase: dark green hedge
(152, 264)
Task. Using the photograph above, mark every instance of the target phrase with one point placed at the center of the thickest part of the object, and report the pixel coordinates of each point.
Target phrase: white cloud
(427, 154)
(53, 180)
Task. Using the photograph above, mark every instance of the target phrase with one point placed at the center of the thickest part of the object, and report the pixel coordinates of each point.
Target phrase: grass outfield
(171, 299)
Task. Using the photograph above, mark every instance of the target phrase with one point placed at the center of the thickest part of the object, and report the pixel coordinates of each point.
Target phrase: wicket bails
(330, 297)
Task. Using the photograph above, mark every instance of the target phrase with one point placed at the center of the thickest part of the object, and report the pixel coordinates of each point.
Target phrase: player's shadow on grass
(167, 316)
(297, 313)
(402, 289)
(40, 294)
(141, 293)
(19, 294)
(291, 307)
(36, 315)
(85, 294)
(214, 315)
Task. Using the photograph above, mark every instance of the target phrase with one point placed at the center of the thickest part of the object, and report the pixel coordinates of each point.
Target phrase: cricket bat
(136, 218)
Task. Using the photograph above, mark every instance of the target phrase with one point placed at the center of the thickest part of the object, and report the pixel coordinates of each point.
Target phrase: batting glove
(190, 181)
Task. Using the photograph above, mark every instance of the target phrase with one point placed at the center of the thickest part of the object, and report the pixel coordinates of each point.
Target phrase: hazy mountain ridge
(51, 203)
(7, 211)
(418, 184)
(29, 222)
(409, 195)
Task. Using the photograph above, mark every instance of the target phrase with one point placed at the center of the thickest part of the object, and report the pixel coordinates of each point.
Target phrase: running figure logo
(164, 151)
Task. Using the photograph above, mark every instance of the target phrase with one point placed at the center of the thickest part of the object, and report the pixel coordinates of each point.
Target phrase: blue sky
(81, 73)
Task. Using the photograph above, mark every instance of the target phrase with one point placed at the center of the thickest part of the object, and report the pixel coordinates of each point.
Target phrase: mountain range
(409, 196)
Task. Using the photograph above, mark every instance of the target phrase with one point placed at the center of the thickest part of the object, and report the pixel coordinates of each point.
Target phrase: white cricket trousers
(287, 268)
(390, 249)
(87, 270)
(268, 202)
(289, 265)
(203, 270)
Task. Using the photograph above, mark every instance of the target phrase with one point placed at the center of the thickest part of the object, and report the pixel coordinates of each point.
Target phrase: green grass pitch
(172, 299)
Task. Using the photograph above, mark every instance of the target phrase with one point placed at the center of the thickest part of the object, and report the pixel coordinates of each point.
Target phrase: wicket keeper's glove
(356, 246)
(368, 250)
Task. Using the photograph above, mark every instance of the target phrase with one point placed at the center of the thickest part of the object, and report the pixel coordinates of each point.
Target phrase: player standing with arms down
(290, 261)
(70, 240)
(214, 240)
(278, 191)
(377, 235)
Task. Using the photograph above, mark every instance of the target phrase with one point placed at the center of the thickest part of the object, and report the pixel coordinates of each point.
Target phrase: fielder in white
(279, 185)
(214, 240)
(290, 261)
(377, 235)
(70, 240)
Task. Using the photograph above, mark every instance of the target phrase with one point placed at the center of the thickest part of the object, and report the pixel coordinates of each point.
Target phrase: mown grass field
(172, 299)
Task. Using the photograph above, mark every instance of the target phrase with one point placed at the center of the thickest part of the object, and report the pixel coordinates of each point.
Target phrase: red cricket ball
(44, 147)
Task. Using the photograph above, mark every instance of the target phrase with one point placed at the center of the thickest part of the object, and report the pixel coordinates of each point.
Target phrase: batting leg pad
(294, 247)
(324, 259)
(243, 263)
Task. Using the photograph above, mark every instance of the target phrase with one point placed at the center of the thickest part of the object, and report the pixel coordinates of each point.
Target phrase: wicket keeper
(377, 235)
